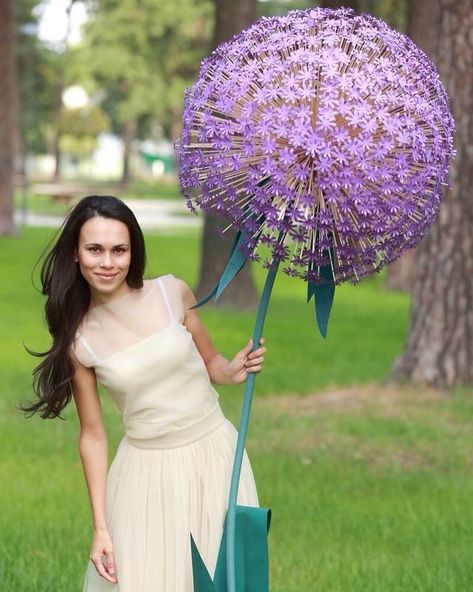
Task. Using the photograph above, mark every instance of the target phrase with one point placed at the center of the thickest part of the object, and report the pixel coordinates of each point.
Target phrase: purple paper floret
(324, 135)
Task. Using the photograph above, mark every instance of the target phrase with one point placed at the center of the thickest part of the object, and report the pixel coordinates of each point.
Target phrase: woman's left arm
(221, 370)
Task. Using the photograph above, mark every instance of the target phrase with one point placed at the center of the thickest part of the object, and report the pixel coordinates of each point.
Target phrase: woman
(141, 340)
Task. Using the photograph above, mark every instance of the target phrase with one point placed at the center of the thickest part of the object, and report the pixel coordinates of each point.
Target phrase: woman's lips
(106, 277)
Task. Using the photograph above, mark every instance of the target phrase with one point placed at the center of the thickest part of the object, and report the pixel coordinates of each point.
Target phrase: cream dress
(171, 473)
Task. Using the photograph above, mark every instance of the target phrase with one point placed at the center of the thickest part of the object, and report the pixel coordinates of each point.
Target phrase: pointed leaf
(251, 551)
(205, 299)
(324, 294)
(202, 580)
(236, 261)
(310, 290)
(235, 264)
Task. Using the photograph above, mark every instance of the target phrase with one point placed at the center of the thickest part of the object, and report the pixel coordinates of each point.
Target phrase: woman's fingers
(255, 361)
(99, 566)
(102, 567)
(248, 347)
(257, 354)
(247, 360)
(254, 368)
(110, 563)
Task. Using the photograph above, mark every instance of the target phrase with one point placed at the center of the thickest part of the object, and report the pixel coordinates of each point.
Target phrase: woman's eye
(119, 250)
(94, 249)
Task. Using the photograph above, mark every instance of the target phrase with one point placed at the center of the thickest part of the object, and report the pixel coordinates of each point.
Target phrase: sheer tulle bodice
(150, 366)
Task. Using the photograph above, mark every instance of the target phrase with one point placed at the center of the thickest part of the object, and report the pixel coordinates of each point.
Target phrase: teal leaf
(236, 261)
(251, 555)
(202, 580)
(323, 298)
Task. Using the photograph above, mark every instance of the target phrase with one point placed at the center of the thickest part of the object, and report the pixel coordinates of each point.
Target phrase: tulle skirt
(156, 498)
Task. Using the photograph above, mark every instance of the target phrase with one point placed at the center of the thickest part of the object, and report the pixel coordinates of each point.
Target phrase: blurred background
(93, 96)
(101, 83)
(100, 89)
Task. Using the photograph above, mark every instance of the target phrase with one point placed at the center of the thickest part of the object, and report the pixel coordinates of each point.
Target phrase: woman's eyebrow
(100, 245)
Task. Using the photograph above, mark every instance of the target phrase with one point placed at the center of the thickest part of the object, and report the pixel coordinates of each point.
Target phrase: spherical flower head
(325, 136)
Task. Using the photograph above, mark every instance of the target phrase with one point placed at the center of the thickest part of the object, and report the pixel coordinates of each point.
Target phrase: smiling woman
(143, 341)
(70, 293)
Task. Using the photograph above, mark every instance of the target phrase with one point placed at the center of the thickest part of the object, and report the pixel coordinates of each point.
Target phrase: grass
(370, 485)
(373, 493)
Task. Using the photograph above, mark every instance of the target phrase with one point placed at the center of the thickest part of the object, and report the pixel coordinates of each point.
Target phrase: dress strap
(166, 299)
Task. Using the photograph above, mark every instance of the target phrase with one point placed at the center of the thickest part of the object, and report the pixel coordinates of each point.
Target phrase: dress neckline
(146, 286)
(173, 324)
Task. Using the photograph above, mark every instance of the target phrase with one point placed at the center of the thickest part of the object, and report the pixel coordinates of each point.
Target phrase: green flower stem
(243, 429)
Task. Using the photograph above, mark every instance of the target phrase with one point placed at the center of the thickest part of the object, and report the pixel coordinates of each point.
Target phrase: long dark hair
(68, 298)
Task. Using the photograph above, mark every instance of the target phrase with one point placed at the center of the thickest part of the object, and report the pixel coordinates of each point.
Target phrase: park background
(362, 444)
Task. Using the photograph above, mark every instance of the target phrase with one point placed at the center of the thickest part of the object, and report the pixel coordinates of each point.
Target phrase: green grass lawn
(370, 485)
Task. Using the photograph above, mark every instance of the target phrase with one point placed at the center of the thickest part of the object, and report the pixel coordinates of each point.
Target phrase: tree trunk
(439, 348)
(422, 28)
(128, 135)
(230, 18)
(423, 21)
(401, 273)
(8, 116)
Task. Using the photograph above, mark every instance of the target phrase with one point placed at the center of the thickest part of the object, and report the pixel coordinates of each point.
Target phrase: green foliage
(38, 68)
(280, 7)
(394, 12)
(136, 60)
(79, 129)
(143, 54)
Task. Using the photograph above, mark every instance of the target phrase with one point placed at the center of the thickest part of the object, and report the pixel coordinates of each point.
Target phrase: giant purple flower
(324, 136)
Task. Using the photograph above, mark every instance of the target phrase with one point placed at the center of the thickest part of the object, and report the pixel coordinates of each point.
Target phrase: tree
(142, 55)
(79, 129)
(230, 18)
(37, 72)
(401, 273)
(8, 115)
(58, 87)
(421, 28)
(439, 347)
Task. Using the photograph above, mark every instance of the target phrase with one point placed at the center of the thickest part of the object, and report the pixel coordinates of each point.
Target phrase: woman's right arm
(94, 455)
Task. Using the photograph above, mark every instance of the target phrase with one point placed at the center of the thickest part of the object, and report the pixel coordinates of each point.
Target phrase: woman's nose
(106, 260)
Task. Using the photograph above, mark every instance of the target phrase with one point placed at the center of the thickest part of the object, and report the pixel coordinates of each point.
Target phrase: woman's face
(104, 256)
